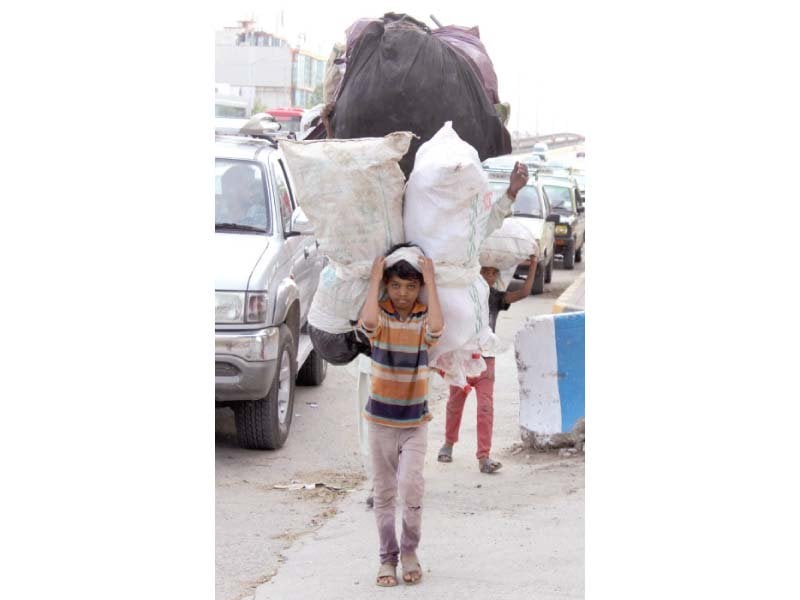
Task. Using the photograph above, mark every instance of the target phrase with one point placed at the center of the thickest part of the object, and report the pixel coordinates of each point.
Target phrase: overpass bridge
(554, 141)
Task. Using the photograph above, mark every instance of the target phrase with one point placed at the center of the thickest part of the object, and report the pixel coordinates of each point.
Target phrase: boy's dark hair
(402, 269)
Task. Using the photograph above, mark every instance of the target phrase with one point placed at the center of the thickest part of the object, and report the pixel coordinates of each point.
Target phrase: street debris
(575, 439)
(312, 404)
(299, 485)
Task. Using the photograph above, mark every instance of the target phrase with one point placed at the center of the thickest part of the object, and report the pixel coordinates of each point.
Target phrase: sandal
(446, 454)
(386, 571)
(410, 566)
(489, 465)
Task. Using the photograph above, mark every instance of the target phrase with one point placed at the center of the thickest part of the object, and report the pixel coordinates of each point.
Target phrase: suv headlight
(562, 229)
(229, 307)
(238, 307)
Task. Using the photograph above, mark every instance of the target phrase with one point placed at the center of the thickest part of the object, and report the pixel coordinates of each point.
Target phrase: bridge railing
(553, 140)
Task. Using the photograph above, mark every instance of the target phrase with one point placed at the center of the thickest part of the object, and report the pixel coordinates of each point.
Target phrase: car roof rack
(260, 126)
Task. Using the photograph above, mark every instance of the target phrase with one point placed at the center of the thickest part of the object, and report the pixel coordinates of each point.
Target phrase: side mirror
(553, 219)
(300, 224)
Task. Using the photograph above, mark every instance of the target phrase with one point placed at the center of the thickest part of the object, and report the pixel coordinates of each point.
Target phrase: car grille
(226, 370)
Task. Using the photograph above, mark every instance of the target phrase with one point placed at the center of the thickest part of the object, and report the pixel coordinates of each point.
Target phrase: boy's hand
(377, 269)
(428, 275)
(518, 179)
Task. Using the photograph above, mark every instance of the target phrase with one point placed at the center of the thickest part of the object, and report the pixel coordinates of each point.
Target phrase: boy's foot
(446, 453)
(412, 570)
(370, 500)
(489, 465)
(387, 575)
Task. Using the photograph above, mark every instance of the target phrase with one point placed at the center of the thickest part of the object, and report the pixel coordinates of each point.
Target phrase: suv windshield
(527, 203)
(559, 197)
(241, 204)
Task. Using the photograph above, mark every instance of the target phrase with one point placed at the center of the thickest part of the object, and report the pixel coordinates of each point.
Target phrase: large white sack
(352, 192)
(467, 335)
(508, 246)
(447, 205)
(447, 200)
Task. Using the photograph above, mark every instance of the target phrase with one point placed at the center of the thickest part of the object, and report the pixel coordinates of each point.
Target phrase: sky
(538, 50)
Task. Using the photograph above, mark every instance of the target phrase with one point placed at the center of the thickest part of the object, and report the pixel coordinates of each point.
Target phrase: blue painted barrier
(550, 353)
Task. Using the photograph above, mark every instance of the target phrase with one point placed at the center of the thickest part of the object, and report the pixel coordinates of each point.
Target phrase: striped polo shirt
(399, 383)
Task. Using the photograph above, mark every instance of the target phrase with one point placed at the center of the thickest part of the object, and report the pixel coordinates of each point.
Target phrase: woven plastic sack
(508, 246)
(352, 192)
(339, 297)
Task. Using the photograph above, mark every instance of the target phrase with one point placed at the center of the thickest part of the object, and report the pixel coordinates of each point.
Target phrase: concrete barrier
(551, 370)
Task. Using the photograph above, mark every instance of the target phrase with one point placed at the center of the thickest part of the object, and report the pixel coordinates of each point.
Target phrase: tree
(315, 97)
(258, 107)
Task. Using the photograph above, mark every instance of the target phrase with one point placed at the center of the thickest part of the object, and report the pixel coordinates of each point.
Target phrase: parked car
(532, 211)
(568, 170)
(267, 266)
(567, 203)
(540, 150)
(289, 118)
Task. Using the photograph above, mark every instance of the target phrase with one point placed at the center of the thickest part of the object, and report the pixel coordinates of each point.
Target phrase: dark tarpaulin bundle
(467, 40)
(338, 348)
(400, 77)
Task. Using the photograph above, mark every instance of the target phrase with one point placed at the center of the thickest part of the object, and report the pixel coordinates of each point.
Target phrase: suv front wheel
(264, 424)
(569, 256)
(538, 280)
(313, 371)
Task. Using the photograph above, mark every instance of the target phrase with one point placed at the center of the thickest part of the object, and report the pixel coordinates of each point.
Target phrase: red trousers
(484, 390)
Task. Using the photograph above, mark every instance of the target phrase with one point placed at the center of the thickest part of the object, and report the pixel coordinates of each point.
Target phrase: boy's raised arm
(526, 288)
(369, 313)
(435, 319)
(502, 208)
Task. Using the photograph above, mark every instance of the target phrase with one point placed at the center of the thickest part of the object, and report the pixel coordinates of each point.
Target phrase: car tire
(579, 254)
(264, 424)
(569, 257)
(313, 370)
(548, 274)
(538, 280)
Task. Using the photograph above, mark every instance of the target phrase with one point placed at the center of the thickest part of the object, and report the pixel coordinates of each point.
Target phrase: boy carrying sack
(401, 330)
(483, 384)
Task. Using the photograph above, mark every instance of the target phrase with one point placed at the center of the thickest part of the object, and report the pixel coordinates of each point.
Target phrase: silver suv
(267, 266)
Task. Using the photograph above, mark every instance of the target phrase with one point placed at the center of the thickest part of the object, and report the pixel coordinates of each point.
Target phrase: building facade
(265, 70)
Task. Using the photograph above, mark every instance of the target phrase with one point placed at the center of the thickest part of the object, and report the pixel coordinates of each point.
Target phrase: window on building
(308, 73)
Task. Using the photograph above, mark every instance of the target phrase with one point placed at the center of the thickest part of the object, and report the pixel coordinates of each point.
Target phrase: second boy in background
(483, 383)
